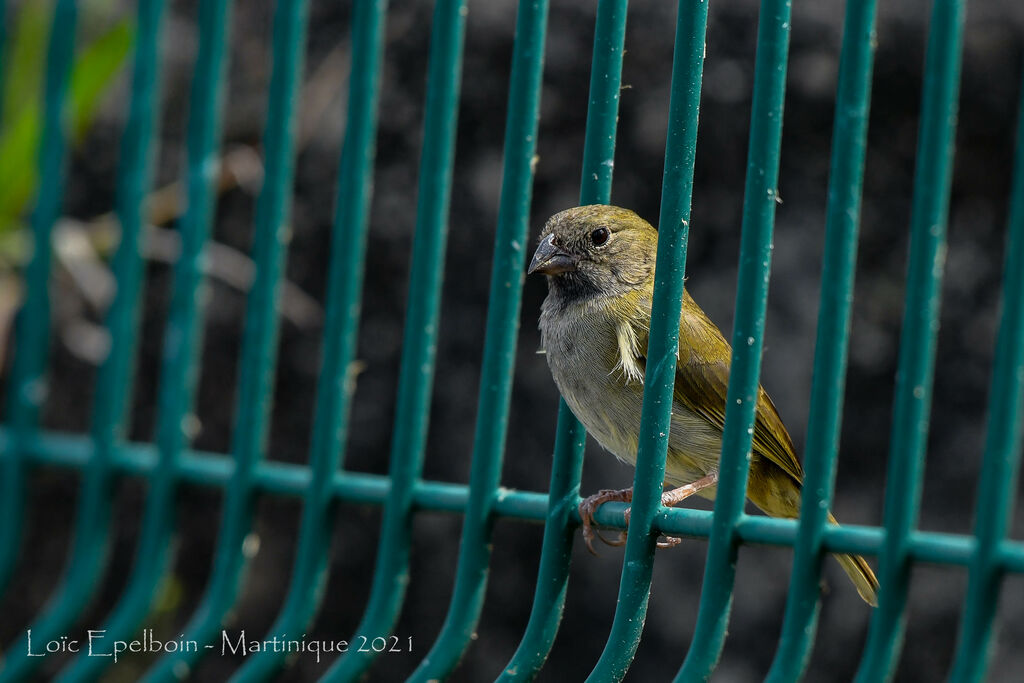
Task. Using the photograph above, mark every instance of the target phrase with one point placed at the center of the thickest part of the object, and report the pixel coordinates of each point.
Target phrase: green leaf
(18, 164)
(94, 71)
(26, 56)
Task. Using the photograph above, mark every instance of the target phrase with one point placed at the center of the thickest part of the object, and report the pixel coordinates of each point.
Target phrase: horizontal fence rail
(105, 455)
(215, 470)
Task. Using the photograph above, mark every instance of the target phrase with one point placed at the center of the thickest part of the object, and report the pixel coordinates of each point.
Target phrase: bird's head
(596, 250)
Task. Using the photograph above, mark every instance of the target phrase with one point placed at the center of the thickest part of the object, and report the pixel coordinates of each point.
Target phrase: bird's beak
(551, 260)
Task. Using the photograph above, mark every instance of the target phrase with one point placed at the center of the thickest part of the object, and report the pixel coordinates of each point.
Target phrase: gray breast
(580, 349)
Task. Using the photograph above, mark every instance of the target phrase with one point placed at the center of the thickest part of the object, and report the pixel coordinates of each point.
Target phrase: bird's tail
(788, 505)
(857, 568)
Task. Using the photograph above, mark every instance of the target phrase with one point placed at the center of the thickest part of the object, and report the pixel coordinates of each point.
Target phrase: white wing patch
(629, 352)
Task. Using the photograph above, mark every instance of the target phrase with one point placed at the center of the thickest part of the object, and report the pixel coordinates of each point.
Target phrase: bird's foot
(668, 499)
(677, 496)
(588, 506)
(663, 541)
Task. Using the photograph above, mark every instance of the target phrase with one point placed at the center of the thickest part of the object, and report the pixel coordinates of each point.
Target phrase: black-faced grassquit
(599, 262)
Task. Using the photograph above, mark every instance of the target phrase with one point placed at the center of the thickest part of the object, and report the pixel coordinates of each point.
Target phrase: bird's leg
(671, 499)
(678, 495)
(588, 506)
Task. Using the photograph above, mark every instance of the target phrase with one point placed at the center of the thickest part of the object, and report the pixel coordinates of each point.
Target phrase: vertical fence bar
(570, 437)
(28, 385)
(842, 221)
(998, 482)
(182, 339)
(114, 382)
(603, 106)
(660, 373)
(419, 345)
(556, 550)
(355, 185)
(259, 343)
(912, 401)
(504, 303)
(761, 195)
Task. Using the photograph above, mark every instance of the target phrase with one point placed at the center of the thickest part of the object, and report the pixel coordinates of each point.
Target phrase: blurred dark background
(994, 48)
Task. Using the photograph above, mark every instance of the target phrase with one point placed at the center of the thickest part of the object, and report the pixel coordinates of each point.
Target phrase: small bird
(599, 262)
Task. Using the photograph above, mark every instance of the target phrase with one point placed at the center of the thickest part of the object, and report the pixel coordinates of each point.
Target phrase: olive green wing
(702, 381)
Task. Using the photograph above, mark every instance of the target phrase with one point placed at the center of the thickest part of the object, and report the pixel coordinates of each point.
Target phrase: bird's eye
(599, 236)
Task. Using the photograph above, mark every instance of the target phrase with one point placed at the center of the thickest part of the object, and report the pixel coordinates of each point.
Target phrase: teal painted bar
(259, 343)
(570, 436)
(563, 497)
(556, 551)
(1001, 464)
(1011, 556)
(760, 199)
(660, 374)
(28, 387)
(181, 348)
(114, 382)
(912, 401)
(603, 102)
(419, 346)
(849, 145)
(334, 392)
(202, 468)
(498, 364)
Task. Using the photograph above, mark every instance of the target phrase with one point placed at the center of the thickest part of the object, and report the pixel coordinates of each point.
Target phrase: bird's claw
(589, 506)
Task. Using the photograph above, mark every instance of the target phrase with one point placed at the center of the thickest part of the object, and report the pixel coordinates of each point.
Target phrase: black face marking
(613, 251)
(574, 286)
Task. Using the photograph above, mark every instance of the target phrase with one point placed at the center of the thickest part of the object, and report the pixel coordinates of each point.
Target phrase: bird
(599, 262)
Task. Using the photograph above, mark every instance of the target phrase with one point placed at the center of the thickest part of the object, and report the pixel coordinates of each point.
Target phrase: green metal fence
(104, 454)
